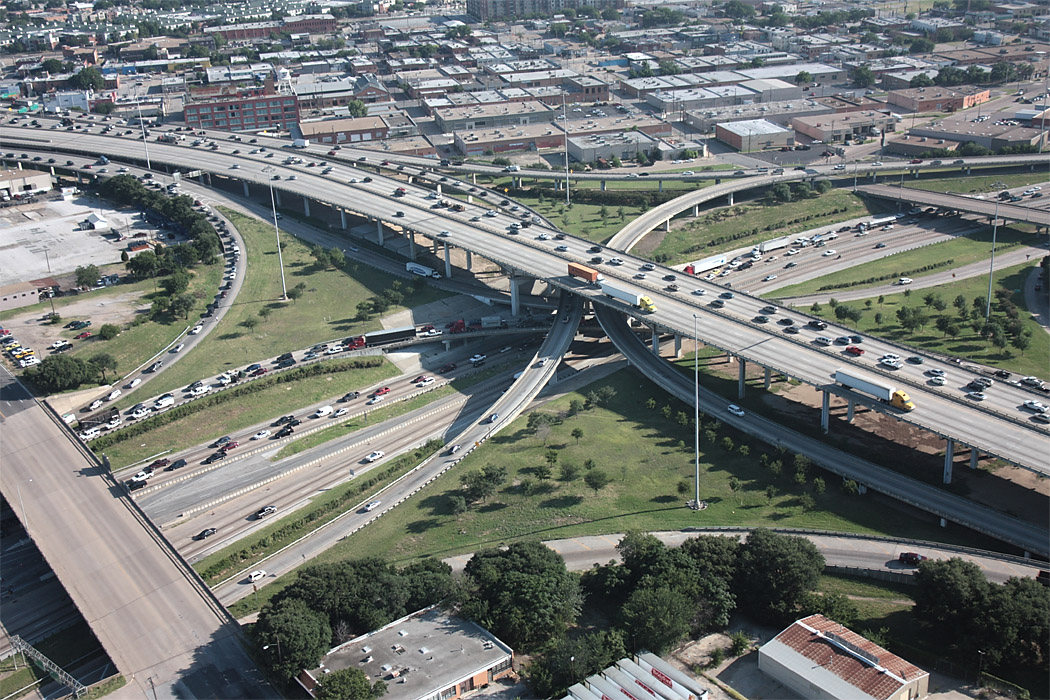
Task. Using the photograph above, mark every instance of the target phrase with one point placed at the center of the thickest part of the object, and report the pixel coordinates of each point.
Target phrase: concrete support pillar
(741, 386)
(975, 455)
(448, 345)
(434, 246)
(729, 358)
(677, 345)
(825, 411)
(515, 300)
(667, 224)
(276, 197)
(518, 180)
(200, 179)
(448, 260)
(411, 246)
(656, 342)
(605, 185)
(968, 168)
(718, 181)
(849, 410)
(915, 174)
(207, 179)
(246, 192)
(473, 178)
(696, 210)
(342, 218)
(80, 179)
(767, 377)
(306, 206)
(944, 523)
(51, 170)
(379, 231)
(949, 457)
(439, 188)
(470, 261)
(660, 185)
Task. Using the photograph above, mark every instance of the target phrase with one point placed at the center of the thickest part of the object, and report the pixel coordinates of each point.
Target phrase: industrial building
(642, 676)
(938, 99)
(494, 10)
(754, 135)
(625, 145)
(242, 109)
(353, 130)
(844, 127)
(16, 183)
(819, 658)
(428, 654)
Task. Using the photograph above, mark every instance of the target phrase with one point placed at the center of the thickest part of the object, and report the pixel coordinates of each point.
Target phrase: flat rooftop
(429, 651)
(482, 111)
(753, 127)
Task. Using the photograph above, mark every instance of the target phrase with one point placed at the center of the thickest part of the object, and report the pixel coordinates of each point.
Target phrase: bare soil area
(98, 307)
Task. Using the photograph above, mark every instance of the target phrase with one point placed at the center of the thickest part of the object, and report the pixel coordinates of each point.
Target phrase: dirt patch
(650, 242)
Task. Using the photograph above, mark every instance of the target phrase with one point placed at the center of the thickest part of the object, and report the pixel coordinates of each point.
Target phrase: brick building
(353, 130)
(305, 24)
(493, 10)
(242, 109)
(938, 99)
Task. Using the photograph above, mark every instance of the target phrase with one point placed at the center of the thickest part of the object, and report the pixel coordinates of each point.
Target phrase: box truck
(392, 335)
(774, 244)
(637, 300)
(584, 272)
(422, 270)
(886, 393)
(300, 143)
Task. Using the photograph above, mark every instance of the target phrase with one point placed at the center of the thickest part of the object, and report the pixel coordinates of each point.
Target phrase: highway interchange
(501, 248)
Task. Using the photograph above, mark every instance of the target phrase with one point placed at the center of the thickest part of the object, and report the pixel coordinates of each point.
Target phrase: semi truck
(638, 301)
(886, 393)
(422, 270)
(584, 272)
(774, 244)
(702, 266)
(392, 335)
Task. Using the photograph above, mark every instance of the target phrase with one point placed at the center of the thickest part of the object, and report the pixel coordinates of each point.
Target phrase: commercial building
(22, 182)
(754, 135)
(353, 130)
(625, 145)
(489, 116)
(530, 137)
(642, 676)
(494, 10)
(323, 94)
(243, 109)
(17, 295)
(309, 24)
(938, 99)
(843, 127)
(987, 134)
(819, 658)
(423, 656)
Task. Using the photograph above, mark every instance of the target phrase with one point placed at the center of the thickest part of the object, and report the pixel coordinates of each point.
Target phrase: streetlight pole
(696, 411)
(280, 657)
(277, 234)
(991, 264)
(565, 129)
(145, 141)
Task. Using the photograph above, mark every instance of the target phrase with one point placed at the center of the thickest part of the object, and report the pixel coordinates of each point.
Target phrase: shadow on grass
(664, 499)
(562, 502)
(492, 507)
(418, 527)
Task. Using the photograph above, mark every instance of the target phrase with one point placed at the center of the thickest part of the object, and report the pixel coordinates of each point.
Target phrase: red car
(230, 445)
(85, 334)
(914, 161)
(331, 153)
(259, 372)
(448, 368)
(160, 463)
(420, 378)
(854, 350)
(379, 392)
(911, 558)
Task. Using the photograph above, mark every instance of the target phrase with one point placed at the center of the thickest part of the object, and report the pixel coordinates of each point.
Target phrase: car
(265, 511)
(374, 504)
(890, 364)
(159, 463)
(259, 372)
(256, 576)
(261, 435)
(1036, 406)
(735, 410)
(786, 321)
(916, 360)
(891, 356)
(935, 372)
(904, 280)
(699, 292)
(380, 392)
(478, 357)
(196, 329)
(95, 405)
(842, 340)
(232, 444)
(284, 432)
(818, 325)
(453, 449)
(562, 248)
(938, 381)
(349, 396)
(791, 330)
(594, 249)
(769, 278)
(1032, 381)
(374, 456)
(177, 464)
(426, 381)
(493, 418)
(284, 419)
(216, 456)
(828, 253)
(1041, 418)
(82, 336)
(726, 295)
(911, 558)
(178, 348)
(451, 366)
(671, 287)
(1002, 374)
(976, 395)
(854, 350)
(717, 303)
(205, 533)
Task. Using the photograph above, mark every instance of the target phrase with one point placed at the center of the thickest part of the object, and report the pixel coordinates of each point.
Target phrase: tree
(294, 293)
(59, 373)
(349, 684)
(781, 192)
(803, 77)
(566, 661)
(480, 484)
(596, 479)
(89, 78)
(250, 323)
(176, 283)
(774, 574)
(863, 77)
(577, 433)
(87, 275)
(738, 10)
(1021, 342)
(951, 597)
(101, 362)
(304, 636)
(183, 304)
(569, 472)
(145, 264)
(922, 45)
(523, 593)
(53, 65)
(921, 80)
(656, 618)
(336, 258)
(834, 606)
(108, 331)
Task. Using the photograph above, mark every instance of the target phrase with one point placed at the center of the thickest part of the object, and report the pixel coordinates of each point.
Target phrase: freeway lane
(1029, 537)
(158, 623)
(997, 427)
(1009, 212)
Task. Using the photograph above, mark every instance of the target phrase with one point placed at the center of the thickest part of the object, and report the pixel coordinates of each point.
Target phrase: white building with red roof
(819, 658)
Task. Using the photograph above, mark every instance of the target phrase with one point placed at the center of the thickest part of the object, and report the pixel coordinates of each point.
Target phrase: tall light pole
(280, 657)
(142, 125)
(565, 128)
(991, 264)
(696, 411)
(276, 232)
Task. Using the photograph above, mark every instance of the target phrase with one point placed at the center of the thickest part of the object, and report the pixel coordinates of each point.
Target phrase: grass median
(215, 420)
(880, 319)
(975, 184)
(258, 325)
(962, 250)
(646, 450)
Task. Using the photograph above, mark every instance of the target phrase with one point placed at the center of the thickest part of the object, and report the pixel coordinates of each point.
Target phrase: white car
(478, 357)
(769, 278)
(372, 506)
(892, 364)
(793, 251)
(491, 213)
(141, 412)
(114, 394)
(96, 404)
(1036, 406)
(261, 435)
(828, 253)
(224, 379)
(891, 356)
(1032, 381)
(196, 329)
(378, 454)
(938, 381)
(341, 412)
(735, 410)
(178, 348)
(935, 372)
(200, 390)
(543, 237)
(976, 395)
(426, 381)
(374, 400)
(256, 576)
(699, 292)
(143, 476)
(334, 350)
(615, 261)
(904, 280)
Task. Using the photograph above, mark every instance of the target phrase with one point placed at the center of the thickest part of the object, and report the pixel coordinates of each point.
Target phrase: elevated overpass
(970, 205)
(164, 630)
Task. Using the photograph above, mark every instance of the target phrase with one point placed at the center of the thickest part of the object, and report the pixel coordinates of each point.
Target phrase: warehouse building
(754, 135)
(845, 127)
(17, 183)
(625, 145)
(819, 658)
(938, 99)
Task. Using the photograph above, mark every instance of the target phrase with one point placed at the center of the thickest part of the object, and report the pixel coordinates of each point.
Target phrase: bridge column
(515, 301)
(660, 185)
(975, 455)
(915, 174)
(306, 206)
(741, 386)
(379, 231)
(411, 246)
(730, 195)
(342, 218)
(276, 196)
(667, 224)
(825, 411)
(949, 457)
(448, 345)
(439, 188)
(696, 210)
(968, 169)
(605, 185)
(246, 192)
(656, 341)
(849, 411)
(473, 178)
(677, 345)
(767, 378)
(434, 246)
(718, 181)
(448, 260)
(470, 261)
(80, 180)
